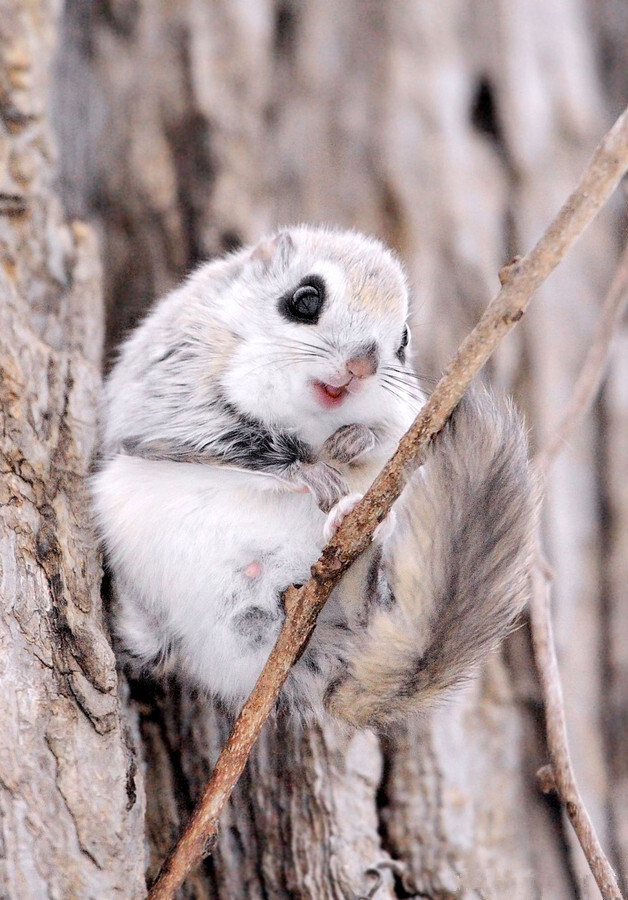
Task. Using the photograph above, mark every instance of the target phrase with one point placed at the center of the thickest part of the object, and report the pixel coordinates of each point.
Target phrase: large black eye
(405, 340)
(304, 303)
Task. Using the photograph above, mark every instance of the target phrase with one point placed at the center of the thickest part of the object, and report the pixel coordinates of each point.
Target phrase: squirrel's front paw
(344, 507)
(349, 442)
(325, 482)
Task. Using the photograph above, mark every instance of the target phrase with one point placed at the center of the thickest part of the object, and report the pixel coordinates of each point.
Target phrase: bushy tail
(458, 566)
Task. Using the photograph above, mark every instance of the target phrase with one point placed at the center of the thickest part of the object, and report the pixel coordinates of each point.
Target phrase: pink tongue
(333, 391)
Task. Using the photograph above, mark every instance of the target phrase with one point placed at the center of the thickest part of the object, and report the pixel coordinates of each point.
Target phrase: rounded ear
(273, 250)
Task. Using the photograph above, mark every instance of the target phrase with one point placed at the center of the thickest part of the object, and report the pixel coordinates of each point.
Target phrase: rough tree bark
(185, 128)
(71, 816)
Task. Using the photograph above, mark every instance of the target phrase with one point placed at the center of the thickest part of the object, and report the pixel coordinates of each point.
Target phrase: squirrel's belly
(200, 564)
(186, 531)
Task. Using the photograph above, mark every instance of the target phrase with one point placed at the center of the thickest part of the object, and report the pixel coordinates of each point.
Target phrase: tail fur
(458, 566)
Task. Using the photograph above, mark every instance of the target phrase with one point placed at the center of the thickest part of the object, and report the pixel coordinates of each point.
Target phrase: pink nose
(363, 366)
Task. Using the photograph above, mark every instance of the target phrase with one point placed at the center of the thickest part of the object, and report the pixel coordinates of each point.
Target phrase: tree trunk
(70, 809)
(453, 133)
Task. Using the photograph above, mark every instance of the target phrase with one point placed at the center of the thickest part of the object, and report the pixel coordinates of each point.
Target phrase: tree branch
(560, 776)
(592, 372)
(520, 280)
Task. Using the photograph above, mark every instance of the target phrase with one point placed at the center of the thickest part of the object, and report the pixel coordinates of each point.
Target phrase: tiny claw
(338, 513)
(382, 532)
(385, 527)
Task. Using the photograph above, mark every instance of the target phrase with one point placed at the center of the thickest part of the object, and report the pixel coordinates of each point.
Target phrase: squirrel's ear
(274, 250)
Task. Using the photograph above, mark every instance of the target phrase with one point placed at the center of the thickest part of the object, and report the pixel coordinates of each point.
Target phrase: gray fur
(326, 483)
(257, 626)
(349, 442)
(458, 566)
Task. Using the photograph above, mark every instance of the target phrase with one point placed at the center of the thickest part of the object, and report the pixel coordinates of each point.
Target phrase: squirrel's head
(317, 319)
(306, 330)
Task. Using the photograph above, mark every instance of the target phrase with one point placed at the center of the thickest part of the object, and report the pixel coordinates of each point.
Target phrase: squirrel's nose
(364, 363)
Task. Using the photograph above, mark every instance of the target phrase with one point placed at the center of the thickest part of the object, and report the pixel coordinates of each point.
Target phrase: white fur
(180, 536)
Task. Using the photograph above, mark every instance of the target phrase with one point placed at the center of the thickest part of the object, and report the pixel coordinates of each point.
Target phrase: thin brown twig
(561, 768)
(520, 281)
(592, 372)
(561, 776)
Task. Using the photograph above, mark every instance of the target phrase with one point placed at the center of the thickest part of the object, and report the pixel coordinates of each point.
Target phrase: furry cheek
(266, 384)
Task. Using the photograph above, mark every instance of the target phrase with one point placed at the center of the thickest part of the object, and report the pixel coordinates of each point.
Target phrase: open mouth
(328, 395)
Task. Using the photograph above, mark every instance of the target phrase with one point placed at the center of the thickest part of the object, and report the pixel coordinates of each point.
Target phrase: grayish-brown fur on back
(458, 565)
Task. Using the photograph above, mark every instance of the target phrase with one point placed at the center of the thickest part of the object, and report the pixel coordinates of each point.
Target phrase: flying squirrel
(241, 421)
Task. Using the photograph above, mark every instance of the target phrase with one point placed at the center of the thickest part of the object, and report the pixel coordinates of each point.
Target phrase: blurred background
(453, 130)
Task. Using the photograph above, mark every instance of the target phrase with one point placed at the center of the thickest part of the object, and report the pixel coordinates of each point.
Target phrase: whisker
(402, 392)
(415, 386)
(328, 344)
(297, 348)
(276, 359)
(394, 393)
(419, 376)
(307, 344)
(311, 345)
(408, 386)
